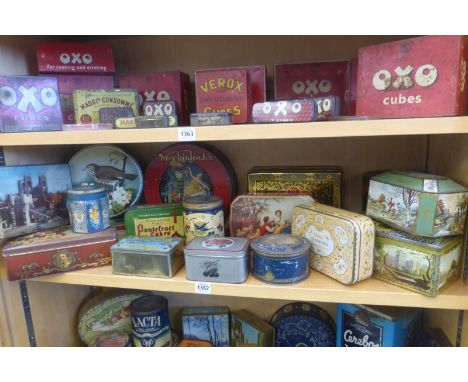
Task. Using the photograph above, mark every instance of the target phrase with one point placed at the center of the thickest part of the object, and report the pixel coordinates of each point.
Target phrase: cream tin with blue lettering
(342, 241)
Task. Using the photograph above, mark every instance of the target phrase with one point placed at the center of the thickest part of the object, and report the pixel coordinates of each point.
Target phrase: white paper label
(187, 134)
(202, 288)
(322, 242)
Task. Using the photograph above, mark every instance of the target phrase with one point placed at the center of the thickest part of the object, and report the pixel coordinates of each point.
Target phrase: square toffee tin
(148, 256)
(217, 259)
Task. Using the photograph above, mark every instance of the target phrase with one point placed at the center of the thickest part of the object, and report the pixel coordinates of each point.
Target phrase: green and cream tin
(417, 203)
(421, 264)
(342, 241)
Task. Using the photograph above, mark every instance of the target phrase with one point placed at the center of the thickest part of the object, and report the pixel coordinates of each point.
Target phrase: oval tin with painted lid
(217, 259)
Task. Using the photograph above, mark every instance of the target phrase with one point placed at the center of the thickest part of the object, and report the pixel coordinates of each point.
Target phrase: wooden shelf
(318, 288)
(329, 129)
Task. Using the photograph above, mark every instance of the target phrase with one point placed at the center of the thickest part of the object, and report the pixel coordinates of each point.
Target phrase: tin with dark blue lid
(281, 258)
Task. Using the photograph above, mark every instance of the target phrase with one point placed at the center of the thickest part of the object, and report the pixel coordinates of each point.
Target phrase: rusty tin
(210, 119)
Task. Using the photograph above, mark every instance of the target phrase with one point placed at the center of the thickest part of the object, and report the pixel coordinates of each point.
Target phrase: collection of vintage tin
(290, 221)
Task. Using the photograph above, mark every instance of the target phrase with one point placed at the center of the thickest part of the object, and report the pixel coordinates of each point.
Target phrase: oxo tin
(280, 259)
(150, 322)
(203, 216)
(285, 111)
(217, 259)
(88, 208)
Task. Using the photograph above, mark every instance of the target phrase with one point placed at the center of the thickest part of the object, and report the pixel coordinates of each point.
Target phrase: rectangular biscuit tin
(417, 77)
(249, 329)
(155, 220)
(423, 265)
(224, 90)
(418, 203)
(88, 102)
(206, 324)
(57, 250)
(256, 215)
(285, 111)
(162, 86)
(148, 256)
(29, 103)
(322, 183)
(342, 241)
(217, 259)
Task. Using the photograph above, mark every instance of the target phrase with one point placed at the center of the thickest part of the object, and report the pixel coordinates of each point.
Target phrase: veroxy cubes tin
(280, 259)
(217, 259)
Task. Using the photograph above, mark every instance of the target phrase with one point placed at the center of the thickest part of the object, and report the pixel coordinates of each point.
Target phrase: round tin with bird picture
(113, 169)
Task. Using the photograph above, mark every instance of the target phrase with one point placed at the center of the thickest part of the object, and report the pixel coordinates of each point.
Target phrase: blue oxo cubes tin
(89, 209)
(280, 259)
(303, 324)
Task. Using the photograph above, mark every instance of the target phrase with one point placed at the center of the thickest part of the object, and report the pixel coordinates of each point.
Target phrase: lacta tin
(342, 241)
(417, 77)
(29, 103)
(421, 264)
(207, 324)
(301, 324)
(148, 256)
(162, 220)
(89, 209)
(417, 203)
(285, 111)
(217, 259)
(280, 259)
(311, 80)
(375, 326)
(210, 119)
(225, 91)
(162, 86)
(58, 250)
(150, 322)
(249, 329)
(203, 216)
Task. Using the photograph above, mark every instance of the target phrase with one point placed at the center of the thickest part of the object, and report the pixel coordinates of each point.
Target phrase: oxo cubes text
(29, 104)
(319, 79)
(418, 77)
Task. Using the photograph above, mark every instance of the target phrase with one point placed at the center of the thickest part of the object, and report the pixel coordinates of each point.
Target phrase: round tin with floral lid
(280, 259)
(118, 338)
(89, 209)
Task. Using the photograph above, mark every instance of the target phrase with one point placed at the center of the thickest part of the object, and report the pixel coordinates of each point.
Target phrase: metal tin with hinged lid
(217, 259)
(148, 256)
(280, 259)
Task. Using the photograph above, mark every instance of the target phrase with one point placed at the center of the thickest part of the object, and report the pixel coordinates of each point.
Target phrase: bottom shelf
(317, 287)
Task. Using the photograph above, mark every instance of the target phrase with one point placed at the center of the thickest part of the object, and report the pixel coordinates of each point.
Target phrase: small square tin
(148, 256)
(206, 324)
(155, 122)
(285, 111)
(57, 250)
(217, 259)
(248, 329)
(210, 119)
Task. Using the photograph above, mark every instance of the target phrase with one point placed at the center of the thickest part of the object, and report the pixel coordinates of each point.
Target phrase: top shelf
(329, 129)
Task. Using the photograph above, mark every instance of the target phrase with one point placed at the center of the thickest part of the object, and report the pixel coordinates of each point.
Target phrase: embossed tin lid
(88, 192)
(148, 245)
(55, 239)
(223, 247)
(202, 202)
(281, 245)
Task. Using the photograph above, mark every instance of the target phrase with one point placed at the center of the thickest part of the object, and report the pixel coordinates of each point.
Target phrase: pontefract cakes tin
(217, 259)
(89, 209)
(148, 256)
(203, 216)
(280, 259)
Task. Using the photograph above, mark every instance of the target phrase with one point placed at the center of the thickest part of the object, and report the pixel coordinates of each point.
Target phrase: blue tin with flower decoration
(89, 209)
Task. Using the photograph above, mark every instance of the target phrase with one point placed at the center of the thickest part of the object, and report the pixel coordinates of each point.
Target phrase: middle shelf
(317, 287)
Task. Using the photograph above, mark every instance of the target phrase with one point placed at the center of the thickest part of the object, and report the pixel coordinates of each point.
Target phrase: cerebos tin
(89, 209)
(150, 322)
(203, 216)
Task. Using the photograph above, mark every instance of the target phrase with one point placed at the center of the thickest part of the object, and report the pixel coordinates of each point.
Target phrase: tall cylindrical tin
(150, 321)
(203, 216)
(89, 209)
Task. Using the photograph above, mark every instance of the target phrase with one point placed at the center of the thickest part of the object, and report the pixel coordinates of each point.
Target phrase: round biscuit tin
(117, 338)
(203, 216)
(280, 259)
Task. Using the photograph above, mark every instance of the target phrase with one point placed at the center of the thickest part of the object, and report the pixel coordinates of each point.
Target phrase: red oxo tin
(60, 57)
(418, 77)
(187, 170)
(285, 111)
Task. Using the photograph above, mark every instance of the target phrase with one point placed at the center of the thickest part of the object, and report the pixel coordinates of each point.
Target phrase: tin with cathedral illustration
(203, 216)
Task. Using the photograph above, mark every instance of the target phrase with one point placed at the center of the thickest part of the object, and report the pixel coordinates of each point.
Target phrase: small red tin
(285, 111)
(162, 86)
(314, 80)
(159, 108)
(57, 250)
(64, 57)
(418, 77)
(353, 85)
(224, 91)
